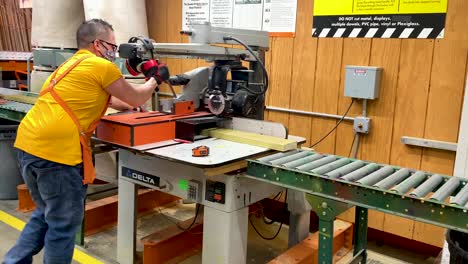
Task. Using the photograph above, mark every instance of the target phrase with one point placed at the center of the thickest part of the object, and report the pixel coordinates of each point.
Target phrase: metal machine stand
(225, 236)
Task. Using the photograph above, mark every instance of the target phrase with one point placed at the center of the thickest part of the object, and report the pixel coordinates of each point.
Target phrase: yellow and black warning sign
(379, 18)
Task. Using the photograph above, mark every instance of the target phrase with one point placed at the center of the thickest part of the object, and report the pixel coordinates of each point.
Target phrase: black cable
(336, 126)
(265, 73)
(262, 236)
(270, 222)
(279, 228)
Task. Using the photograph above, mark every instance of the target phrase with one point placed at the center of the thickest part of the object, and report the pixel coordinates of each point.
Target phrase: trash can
(10, 176)
(458, 246)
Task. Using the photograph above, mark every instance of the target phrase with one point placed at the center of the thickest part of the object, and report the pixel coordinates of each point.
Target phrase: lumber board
(264, 141)
(303, 75)
(327, 83)
(410, 115)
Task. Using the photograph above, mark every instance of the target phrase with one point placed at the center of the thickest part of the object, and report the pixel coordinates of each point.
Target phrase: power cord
(270, 222)
(187, 229)
(265, 73)
(279, 228)
(336, 126)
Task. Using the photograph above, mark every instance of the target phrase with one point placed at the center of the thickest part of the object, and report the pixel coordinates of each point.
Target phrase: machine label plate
(140, 176)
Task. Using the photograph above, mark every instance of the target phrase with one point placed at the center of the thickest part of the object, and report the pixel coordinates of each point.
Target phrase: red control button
(218, 197)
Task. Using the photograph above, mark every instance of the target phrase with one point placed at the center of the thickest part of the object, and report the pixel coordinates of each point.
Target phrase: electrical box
(362, 82)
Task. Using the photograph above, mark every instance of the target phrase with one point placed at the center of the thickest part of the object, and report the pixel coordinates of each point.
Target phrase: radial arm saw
(209, 87)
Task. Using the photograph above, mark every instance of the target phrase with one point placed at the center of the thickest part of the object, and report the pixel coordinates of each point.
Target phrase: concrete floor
(103, 245)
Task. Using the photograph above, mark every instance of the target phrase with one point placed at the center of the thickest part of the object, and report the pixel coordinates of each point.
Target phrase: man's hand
(153, 68)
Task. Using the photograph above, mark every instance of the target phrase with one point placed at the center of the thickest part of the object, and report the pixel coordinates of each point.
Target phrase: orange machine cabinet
(140, 128)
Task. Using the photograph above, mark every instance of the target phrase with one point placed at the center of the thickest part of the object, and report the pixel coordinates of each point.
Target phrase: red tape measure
(200, 151)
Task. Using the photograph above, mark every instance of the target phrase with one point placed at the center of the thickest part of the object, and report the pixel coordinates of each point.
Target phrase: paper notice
(280, 16)
(195, 12)
(248, 14)
(221, 13)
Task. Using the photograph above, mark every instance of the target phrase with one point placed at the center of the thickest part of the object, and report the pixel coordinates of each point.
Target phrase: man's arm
(132, 95)
(117, 104)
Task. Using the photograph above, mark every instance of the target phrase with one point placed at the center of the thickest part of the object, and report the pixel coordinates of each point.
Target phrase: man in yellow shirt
(52, 139)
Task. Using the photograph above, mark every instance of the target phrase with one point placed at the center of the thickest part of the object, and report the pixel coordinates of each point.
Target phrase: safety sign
(379, 18)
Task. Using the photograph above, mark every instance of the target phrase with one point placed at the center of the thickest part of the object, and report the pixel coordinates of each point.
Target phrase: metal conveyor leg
(325, 241)
(360, 235)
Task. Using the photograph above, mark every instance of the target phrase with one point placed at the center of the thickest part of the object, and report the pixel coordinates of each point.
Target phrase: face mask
(108, 54)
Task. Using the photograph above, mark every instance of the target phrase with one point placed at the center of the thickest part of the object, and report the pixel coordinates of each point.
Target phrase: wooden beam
(173, 245)
(252, 139)
(102, 214)
(307, 250)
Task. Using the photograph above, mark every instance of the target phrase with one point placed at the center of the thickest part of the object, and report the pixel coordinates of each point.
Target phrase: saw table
(333, 184)
(212, 181)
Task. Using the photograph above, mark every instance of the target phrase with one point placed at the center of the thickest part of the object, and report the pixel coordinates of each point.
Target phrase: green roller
(377, 176)
(290, 158)
(278, 156)
(393, 179)
(427, 186)
(446, 190)
(358, 174)
(413, 181)
(302, 161)
(315, 164)
(345, 169)
(462, 197)
(331, 166)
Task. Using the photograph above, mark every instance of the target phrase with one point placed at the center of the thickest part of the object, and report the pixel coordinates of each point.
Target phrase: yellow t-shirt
(47, 131)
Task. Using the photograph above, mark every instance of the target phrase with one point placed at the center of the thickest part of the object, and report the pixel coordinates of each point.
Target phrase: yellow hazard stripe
(78, 255)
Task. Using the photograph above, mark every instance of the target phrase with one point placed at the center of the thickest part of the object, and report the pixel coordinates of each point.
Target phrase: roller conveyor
(398, 185)
(12, 109)
(333, 184)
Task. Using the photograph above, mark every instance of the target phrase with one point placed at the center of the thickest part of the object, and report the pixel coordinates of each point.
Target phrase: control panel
(215, 192)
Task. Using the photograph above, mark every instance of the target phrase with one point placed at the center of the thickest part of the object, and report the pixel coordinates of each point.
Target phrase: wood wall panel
(280, 77)
(355, 52)
(410, 111)
(327, 87)
(376, 145)
(303, 75)
(421, 95)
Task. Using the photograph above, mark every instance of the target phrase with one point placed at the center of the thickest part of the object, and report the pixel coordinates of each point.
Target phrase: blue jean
(59, 194)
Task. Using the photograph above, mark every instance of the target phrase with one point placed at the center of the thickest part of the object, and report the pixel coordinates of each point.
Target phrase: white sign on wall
(276, 16)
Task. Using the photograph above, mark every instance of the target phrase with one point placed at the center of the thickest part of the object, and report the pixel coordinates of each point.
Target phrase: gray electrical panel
(362, 82)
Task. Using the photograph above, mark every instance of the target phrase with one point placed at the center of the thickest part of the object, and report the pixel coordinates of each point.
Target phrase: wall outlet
(362, 124)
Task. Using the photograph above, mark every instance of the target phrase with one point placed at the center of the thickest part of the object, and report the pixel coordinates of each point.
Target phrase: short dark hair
(91, 30)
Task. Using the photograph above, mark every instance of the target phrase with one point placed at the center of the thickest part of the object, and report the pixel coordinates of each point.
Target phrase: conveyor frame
(330, 197)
